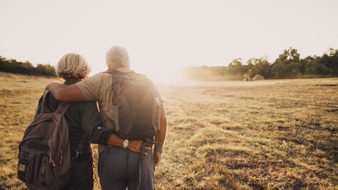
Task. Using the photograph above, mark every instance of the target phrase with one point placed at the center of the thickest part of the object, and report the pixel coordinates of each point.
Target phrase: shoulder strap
(116, 73)
(45, 107)
(80, 147)
(62, 108)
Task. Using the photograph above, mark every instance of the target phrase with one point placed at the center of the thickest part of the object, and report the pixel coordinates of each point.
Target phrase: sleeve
(90, 87)
(92, 124)
(158, 93)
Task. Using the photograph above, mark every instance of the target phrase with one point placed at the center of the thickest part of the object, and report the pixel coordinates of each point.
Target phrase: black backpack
(44, 152)
(136, 105)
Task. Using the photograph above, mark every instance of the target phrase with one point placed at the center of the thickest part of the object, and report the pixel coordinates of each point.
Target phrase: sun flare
(166, 76)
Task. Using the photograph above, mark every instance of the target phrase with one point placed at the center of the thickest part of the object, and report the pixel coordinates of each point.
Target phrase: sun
(165, 76)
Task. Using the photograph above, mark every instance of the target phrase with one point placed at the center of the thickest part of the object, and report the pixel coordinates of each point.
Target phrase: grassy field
(273, 134)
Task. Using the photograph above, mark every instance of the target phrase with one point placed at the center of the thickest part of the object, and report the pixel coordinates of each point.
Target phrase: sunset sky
(162, 36)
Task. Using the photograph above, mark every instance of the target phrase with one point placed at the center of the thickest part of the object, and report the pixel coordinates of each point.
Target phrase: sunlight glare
(164, 76)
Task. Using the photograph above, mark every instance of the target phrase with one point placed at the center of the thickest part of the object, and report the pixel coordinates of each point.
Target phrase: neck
(70, 82)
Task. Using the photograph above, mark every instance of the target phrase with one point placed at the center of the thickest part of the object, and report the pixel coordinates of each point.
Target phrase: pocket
(24, 166)
(44, 171)
(33, 169)
(30, 173)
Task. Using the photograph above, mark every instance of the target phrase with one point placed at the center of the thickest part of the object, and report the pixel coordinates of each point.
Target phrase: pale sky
(162, 36)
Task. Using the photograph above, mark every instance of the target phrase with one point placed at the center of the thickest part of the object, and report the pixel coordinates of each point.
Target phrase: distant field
(272, 134)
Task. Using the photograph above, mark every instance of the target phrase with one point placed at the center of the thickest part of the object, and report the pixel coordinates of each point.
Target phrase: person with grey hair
(119, 168)
(85, 124)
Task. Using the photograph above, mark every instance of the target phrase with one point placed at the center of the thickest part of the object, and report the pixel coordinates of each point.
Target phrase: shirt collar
(124, 70)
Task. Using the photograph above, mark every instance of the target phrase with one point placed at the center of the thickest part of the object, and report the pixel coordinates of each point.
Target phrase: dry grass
(19, 96)
(275, 134)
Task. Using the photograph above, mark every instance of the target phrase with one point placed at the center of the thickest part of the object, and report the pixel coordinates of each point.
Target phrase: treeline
(287, 65)
(26, 68)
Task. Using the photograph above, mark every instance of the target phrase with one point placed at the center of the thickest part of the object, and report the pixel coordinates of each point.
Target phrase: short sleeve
(158, 93)
(90, 87)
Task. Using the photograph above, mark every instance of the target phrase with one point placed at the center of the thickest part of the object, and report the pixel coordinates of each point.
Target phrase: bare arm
(66, 93)
(160, 137)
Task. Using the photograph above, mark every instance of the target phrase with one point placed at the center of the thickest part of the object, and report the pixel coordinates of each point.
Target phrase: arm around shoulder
(66, 93)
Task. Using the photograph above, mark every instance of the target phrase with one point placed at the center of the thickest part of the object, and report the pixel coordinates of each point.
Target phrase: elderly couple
(123, 163)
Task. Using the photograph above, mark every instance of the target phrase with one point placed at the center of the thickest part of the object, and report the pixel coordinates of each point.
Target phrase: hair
(72, 67)
(117, 56)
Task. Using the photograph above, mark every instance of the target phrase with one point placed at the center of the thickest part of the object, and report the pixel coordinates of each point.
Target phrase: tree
(235, 69)
(260, 66)
(288, 56)
(287, 64)
(330, 60)
(45, 70)
(14, 66)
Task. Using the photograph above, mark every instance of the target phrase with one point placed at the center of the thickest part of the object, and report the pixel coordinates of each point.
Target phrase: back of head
(117, 57)
(72, 67)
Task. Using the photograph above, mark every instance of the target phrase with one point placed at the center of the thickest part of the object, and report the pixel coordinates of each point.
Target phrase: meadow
(271, 134)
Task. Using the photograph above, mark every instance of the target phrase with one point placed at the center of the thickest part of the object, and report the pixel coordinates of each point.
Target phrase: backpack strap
(116, 86)
(46, 109)
(62, 108)
(116, 73)
(44, 105)
(80, 148)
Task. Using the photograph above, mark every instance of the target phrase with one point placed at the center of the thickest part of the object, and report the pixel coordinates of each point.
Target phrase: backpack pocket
(33, 165)
(24, 167)
(45, 172)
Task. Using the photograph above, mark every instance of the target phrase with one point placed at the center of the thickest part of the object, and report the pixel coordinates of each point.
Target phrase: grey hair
(117, 56)
(72, 67)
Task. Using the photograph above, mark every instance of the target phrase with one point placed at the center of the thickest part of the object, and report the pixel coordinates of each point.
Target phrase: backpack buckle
(77, 154)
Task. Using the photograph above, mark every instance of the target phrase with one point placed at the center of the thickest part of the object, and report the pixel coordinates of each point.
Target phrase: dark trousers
(120, 168)
(82, 175)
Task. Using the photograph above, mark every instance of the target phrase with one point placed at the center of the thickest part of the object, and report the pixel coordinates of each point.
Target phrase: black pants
(82, 175)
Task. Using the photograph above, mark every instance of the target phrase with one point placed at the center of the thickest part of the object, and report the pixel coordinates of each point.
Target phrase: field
(272, 134)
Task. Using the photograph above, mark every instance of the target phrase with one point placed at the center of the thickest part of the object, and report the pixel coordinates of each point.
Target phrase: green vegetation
(287, 65)
(271, 134)
(26, 68)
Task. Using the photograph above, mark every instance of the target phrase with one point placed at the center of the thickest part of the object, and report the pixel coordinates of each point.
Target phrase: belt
(149, 140)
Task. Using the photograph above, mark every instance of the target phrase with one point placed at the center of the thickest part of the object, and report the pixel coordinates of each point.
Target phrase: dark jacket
(82, 118)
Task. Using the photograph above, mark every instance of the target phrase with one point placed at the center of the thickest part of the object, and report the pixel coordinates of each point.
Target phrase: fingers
(136, 146)
(146, 150)
(157, 158)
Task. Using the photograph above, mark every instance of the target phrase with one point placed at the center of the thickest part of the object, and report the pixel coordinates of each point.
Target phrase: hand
(157, 158)
(135, 145)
